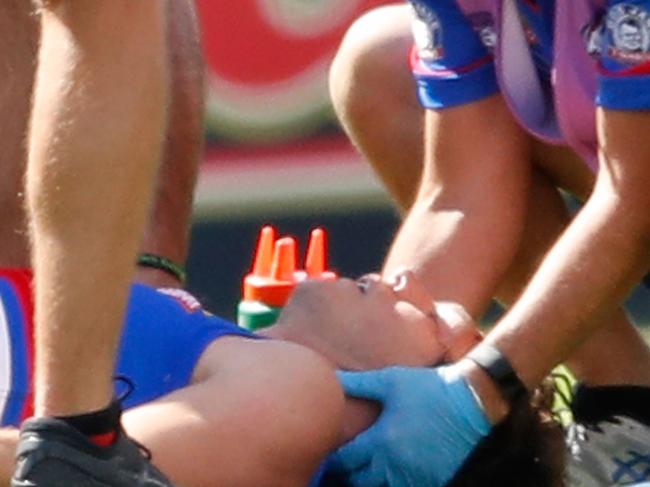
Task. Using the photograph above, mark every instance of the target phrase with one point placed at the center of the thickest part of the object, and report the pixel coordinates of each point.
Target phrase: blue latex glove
(430, 423)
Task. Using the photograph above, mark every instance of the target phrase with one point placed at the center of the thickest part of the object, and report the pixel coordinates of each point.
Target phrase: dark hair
(527, 448)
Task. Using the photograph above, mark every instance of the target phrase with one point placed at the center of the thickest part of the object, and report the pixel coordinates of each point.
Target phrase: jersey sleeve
(450, 59)
(624, 70)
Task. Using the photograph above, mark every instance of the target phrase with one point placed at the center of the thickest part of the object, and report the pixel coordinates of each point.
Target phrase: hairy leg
(168, 227)
(373, 94)
(167, 230)
(259, 413)
(466, 192)
(18, 44)
(95, 143)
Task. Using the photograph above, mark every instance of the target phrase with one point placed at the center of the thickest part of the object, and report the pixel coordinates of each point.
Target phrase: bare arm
(465, 226)
(592, 268)
(167, 230)
(18, 43)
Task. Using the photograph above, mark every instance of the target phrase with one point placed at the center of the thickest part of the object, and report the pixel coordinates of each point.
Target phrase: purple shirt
(554, 61)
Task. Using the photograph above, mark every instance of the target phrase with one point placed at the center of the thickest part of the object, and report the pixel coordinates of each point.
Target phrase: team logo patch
(483, 25)
(185, 299)
(628, 27)
(634, 468)
(427, 32)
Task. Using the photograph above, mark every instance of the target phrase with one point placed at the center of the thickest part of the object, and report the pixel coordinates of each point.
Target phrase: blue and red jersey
(164, 335)
(554, 61)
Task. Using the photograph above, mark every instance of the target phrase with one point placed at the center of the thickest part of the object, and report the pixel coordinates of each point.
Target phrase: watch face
(497, 366)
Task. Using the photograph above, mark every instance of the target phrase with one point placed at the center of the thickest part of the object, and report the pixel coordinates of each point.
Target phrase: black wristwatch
(497, 366)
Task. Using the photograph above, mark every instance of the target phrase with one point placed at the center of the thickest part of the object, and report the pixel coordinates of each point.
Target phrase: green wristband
(163, 264)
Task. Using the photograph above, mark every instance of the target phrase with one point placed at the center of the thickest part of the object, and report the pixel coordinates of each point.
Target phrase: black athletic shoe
(53, 454)
(609, 442)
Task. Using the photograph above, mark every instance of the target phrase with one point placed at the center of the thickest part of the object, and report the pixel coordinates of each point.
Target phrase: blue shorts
(451, 59)
(163, 339)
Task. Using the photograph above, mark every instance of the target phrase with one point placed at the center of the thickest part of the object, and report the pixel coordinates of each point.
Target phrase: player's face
(631, 37)
(373, 322)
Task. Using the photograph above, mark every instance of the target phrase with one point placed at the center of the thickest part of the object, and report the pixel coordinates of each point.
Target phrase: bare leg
(381, 113)
(18, 41)
(467, 194)
(167, 231)
(168, 228)
(96, 136)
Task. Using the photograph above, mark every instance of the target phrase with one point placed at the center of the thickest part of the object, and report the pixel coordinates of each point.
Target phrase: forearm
(18, 43)
(167, 231)
(592, 268)
(460, 250)
(464, 229)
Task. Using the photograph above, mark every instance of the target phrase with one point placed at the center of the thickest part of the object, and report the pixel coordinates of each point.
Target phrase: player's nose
(407, 287)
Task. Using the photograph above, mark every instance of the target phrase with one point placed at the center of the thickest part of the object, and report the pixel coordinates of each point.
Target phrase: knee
(370, 62)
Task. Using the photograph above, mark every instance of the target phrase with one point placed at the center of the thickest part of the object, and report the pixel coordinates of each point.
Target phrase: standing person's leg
(373, 94)
(168, 228)
(95, 143)
(18, 44)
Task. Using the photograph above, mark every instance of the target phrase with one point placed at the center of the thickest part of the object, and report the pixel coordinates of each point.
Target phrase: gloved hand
(430, 423)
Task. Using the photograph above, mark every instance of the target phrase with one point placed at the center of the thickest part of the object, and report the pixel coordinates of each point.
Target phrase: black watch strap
(496, 365)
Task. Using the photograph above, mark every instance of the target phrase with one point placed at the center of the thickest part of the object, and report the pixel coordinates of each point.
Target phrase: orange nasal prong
(316, 262)
(284, 259)
(264, 253)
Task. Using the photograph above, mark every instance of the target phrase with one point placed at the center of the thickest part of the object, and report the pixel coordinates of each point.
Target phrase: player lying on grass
(218, 406)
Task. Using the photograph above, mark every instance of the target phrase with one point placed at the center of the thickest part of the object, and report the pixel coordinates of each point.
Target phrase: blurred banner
(275, 153)
(273, 140)
(268, 62)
